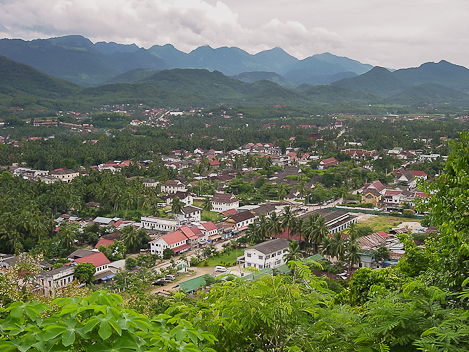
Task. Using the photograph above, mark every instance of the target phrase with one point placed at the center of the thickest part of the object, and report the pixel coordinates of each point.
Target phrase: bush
(408, 213)
(194, 261)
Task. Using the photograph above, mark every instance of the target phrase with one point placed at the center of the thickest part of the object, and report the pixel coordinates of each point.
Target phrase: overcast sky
(394, 34)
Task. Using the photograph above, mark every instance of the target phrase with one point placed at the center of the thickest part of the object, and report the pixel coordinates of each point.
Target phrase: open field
(380, 223)
(225, 258)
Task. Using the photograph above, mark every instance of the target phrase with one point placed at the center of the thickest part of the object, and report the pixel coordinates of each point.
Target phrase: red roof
(392, 192)
(188, 232)
(209, 226)
(196, 231)
(229, 212)
(214, 162)
(329, 162)
(97, 259)
(104, 242)
(120, 222)
(418, 173)
(181, 248)
(174, 237)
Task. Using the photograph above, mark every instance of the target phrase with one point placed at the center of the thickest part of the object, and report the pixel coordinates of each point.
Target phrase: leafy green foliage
(94, 323)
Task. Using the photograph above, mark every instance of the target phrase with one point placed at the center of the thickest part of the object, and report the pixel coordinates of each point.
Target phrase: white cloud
(394, 34)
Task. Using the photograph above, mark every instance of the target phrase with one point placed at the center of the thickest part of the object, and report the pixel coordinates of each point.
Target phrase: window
(279, 252)
(261, 267)
(273, 255)
(248, 255)
(267, 256)
(261, 257)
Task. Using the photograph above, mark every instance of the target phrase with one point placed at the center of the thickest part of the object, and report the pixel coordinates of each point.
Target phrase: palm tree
(274, 226)
(131, 238)
(315, 230)
(282, 190)
(293, 252)
(338, 246)
(207, 204)
(176, 205)
(288, 220)
(263, 225)
(253, 234)
(353, 255)
(66, 236)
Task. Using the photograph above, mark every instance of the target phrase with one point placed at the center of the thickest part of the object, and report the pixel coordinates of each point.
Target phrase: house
(66, 175)
(222, 202)
(194, 236)
(149, 182)
(336, 220)
(173, 186)
(210, 231)
(176, 241)
(184, 197)
(50, 281)
(411, 177)
(371, 196)
(98, 259)
(80, 253)
(159, 224)
(215, 163)
(360, 153)
(269, 254)
(242, 220)
(189, 213)
(377, 185)
(102, 221)
(103, 242)
(326, 163)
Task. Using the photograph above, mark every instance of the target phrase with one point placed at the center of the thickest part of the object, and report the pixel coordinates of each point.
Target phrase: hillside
(431, 93)
(251, 77)
(327, 94)
(23, 79)
(378, 81)
(77, 59)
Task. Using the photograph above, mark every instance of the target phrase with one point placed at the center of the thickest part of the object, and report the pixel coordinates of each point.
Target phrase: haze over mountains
(165, 76)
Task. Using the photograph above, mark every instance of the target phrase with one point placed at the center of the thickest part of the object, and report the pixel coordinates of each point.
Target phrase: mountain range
(135, 75)
(76, 59)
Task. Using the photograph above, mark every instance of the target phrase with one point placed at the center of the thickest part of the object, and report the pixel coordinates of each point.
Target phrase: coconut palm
(131, 238)
(293, 252)
(315, 230)
(176, 205)
(253, 234)
(282, 190)
(207, 204)
(274, 226)
(288, 220)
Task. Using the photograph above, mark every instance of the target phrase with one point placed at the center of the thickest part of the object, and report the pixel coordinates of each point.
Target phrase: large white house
(223, 202)
(49, 281)
(160, 224)
(173, 186)
(269, 254)
(176, 241)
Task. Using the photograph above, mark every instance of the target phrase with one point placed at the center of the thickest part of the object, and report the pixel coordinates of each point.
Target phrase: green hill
(19, 78)
(132, 76)
(443, 73)
(430, 93)
(251, 77)
(327, 94)
(378, 81)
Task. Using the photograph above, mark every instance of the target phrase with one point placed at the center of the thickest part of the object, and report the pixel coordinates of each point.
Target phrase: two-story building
(173, 186)
(50, 281)
(241, 220)
(66, 175)
(176, 241)
(159, 224)
(223, 202)
(189, 213)
(269, 254)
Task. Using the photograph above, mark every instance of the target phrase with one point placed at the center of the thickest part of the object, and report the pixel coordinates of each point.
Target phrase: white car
(221, 269)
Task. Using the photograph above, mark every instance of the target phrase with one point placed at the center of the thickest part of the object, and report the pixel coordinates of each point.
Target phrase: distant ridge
(77, 59)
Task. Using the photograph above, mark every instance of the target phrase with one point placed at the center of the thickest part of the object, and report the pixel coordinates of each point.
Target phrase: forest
(418, 305)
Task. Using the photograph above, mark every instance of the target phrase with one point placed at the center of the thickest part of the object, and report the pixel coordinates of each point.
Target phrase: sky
(393, 34)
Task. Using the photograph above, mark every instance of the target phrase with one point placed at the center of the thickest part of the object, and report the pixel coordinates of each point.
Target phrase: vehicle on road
(220, 269)
(160, 282)
(170, 277)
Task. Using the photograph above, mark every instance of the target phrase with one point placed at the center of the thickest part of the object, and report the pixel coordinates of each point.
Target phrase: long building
(336, 220)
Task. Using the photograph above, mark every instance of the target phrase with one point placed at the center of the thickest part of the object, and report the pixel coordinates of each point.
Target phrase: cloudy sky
(394, 34)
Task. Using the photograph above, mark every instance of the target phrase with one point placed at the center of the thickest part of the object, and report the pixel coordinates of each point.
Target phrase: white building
(269, 254)
(160, 224)
(50, 281)
(173, 186)
(223, 202)
(176, 241)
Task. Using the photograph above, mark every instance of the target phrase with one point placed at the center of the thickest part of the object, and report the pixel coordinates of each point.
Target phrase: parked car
(220, 269)
(170, 277)
(160, 282)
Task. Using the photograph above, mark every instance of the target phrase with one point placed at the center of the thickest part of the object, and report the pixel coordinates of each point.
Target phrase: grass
(224, 258)
(382, 223)
(210, 216)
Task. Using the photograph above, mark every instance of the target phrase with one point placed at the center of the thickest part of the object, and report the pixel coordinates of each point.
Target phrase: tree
(130, 238)
(85, 272)
(274, 227)
(168, 253)
(67, 235)
(207, 204)
(315, 230)
(293, 252)
(288, 220)
(176, 205)
(130, 263)
(381, 254)
(108, 327)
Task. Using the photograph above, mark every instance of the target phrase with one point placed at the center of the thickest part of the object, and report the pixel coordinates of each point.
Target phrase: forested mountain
(77, 59)
(438, 83)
